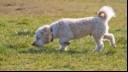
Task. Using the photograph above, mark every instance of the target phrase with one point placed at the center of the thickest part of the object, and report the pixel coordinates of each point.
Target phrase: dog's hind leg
(111, 38)
(99, 43)
(64, 44)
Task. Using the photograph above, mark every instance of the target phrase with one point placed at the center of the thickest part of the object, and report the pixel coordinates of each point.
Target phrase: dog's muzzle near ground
(67, 29)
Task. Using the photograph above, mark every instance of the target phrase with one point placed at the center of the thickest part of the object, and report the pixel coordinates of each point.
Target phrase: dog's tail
(106, 13)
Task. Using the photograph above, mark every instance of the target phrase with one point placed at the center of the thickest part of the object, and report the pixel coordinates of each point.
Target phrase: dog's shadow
(37, 50)
(32, 51)
(50, 51)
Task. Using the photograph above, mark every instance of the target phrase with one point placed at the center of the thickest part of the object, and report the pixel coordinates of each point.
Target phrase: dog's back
(77, 28)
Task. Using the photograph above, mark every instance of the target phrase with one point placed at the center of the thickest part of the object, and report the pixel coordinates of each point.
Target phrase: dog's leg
(64, 44)
(99, 44)
(111, 38)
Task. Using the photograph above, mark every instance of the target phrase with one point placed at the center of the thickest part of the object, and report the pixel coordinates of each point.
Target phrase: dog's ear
(47, 34)
(46, 29)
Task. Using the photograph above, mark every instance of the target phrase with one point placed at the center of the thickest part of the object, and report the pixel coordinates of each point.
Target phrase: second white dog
(68, 29)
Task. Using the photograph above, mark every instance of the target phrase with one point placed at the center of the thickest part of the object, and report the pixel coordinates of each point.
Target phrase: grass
(20, 18)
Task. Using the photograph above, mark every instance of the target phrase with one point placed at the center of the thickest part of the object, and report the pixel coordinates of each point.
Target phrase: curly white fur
(67, 29)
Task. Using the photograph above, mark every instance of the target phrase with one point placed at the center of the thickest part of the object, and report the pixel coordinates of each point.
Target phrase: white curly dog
(67, 29)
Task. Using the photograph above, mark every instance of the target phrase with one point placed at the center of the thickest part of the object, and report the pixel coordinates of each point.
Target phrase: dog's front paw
(62, 49)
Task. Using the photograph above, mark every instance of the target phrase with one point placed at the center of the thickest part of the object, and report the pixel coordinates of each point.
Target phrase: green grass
(19, 20)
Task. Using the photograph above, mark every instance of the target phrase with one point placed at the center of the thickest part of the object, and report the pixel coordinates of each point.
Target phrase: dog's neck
(52, 34)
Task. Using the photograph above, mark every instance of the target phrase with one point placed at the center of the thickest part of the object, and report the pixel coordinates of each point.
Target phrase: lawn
(19, 20)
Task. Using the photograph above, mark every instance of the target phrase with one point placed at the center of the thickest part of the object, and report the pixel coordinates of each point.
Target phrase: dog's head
(43, 36)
